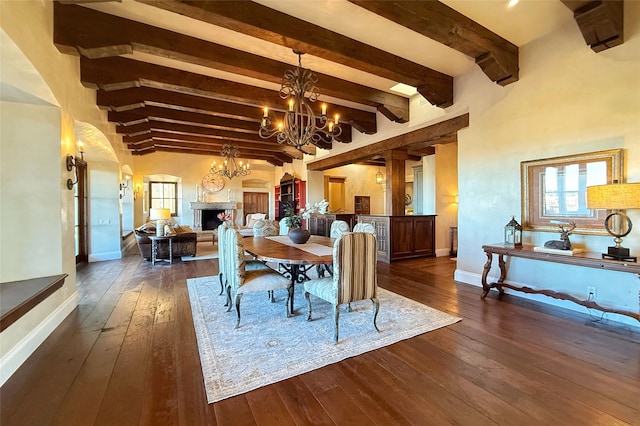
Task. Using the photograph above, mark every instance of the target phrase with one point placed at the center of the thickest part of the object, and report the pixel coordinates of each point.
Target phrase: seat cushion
(322, 288)
(255, 265)
(263, 280)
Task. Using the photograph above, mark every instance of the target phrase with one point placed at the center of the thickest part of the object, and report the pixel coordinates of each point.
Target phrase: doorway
(80, 201)
(255, 202)
(334, 193)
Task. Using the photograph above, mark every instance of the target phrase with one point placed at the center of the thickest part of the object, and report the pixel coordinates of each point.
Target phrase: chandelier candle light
(229, 168)
(300, 126)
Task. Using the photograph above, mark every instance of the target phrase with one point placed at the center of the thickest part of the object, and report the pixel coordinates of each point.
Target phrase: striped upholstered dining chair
(338, 227)
(241, 281)
(364, 227)
(250, 265)
(354, 276)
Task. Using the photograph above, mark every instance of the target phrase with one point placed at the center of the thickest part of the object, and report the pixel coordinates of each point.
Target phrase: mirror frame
(530, 177)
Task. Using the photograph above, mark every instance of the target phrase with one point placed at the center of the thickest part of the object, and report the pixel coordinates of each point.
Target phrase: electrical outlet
(591, 291)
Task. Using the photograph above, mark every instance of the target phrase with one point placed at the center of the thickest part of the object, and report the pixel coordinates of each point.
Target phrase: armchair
(354, 276)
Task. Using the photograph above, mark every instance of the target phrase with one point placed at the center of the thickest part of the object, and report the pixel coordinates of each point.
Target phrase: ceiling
(189, 76)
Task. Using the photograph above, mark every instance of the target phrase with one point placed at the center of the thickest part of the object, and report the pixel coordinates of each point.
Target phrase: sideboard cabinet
(320, 224)
(403, 237)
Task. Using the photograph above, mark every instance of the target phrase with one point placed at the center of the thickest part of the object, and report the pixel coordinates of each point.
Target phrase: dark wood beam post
(394, 197)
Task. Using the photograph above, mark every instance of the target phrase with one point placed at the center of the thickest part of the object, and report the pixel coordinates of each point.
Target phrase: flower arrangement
(225, 217)
(294, 220)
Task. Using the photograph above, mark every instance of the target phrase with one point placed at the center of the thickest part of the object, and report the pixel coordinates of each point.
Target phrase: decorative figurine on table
(563, 243)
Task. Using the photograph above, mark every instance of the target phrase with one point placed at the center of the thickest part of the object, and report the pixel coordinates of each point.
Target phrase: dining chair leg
(221, 284)
(228, 305)
(289, 297)
(306, 295)
(238, 298)
(376, 308)
(336, 316)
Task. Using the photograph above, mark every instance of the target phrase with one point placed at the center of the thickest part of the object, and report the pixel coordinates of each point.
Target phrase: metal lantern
(513, 233)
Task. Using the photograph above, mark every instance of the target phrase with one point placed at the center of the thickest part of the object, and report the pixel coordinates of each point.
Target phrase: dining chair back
(221, 253)
(338, 227)
(284, 226)
(240, 280)
(354, 276)
(364, 227)
(266, 228)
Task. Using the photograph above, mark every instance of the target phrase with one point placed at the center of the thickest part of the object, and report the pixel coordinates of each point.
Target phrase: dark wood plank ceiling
(162, 108)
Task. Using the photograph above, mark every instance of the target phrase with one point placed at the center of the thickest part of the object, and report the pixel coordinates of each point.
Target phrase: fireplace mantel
(229, 208)
(218, 205)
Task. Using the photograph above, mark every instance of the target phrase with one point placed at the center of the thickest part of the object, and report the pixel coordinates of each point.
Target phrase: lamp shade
(156, 214)
(615, 196)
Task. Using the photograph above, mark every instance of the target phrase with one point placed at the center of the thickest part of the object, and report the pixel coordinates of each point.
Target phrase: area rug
(269, 347)
(204, 250)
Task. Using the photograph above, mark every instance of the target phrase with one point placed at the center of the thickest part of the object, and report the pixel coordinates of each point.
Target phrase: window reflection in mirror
(554, 189)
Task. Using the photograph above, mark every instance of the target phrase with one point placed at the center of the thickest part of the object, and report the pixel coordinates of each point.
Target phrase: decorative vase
(299, 235)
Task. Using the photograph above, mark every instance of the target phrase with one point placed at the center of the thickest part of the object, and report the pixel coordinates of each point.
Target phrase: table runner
(313, 248)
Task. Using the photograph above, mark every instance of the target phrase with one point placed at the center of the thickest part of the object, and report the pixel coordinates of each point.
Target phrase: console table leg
(503, 273)
(487, 267)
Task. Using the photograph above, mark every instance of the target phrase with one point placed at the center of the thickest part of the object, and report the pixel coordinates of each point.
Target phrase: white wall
(105, 238)
(569, 100)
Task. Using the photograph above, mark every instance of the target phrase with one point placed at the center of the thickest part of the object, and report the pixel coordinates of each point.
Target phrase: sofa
(184, 243)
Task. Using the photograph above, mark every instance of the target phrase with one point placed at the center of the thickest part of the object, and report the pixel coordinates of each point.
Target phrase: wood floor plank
(128, 355)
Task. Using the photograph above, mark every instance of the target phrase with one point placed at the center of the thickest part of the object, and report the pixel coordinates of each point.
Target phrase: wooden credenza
(320, 224)
(403, 237)
(587, 260)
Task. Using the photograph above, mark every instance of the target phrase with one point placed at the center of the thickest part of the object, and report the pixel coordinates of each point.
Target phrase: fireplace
(210, 219)
(205, 215)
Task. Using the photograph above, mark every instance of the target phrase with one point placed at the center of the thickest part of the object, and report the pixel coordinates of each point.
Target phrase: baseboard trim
(20, 352)
(105, 256)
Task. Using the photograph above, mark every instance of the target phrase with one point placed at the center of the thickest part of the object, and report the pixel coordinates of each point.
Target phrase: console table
(155, 240)
(585, 259)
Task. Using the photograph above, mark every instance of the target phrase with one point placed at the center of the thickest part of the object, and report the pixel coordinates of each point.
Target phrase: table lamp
(616, 197)
(159, 215)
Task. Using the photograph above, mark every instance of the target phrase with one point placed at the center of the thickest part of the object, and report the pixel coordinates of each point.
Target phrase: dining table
(296, 259)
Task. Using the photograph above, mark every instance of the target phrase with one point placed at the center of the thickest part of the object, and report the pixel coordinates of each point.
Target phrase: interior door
(255, 202)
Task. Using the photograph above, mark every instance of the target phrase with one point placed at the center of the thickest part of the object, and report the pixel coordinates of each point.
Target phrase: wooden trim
(426, 136)
(19, 297)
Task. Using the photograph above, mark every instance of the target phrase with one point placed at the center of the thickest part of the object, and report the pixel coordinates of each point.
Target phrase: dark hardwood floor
(128, 356)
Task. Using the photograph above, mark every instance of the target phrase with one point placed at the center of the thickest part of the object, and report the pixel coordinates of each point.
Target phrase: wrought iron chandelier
(229, 168)
(300, 125)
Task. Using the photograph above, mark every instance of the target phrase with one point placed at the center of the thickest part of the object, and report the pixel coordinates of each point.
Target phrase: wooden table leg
(487, 267)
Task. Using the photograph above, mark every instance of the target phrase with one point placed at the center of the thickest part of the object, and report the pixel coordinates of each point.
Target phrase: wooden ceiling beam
(121, 73)
(142, 131)
(404, 141)
(79, 30)
(276, 27)
(601, 22)
(125, 99)
(497, 57)
(276, 161)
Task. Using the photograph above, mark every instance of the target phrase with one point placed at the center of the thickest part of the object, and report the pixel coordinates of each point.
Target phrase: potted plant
(294, 221)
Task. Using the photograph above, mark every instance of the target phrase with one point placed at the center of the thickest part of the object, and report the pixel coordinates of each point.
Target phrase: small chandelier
(229, 168)
(300, 125)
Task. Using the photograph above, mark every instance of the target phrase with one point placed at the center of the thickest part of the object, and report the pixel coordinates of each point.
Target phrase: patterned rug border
(219, 385)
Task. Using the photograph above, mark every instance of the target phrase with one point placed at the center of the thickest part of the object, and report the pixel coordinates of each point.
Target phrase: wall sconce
(136, 191)
(124, 186)
(379, 177)
(72, 164)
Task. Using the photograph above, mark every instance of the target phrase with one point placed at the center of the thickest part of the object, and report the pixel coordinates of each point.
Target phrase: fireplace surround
(205, 214)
